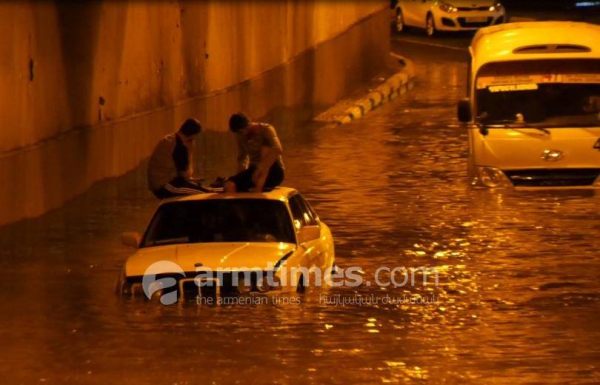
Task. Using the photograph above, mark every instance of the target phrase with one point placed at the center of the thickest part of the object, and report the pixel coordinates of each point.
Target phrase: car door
(409, 11)
(325, 247)
(423, 8)
(304, 222)
(415, 12)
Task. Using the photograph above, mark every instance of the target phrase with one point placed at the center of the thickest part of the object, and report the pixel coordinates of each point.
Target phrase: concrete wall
(88, 88)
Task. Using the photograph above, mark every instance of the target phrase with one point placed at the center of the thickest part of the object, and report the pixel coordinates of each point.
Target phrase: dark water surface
(518, 298)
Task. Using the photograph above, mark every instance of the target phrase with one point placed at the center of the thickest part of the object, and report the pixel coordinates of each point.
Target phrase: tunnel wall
(88, 88)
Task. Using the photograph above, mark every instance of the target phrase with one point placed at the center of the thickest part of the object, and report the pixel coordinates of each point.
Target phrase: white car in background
(226, 243)
(449, 15)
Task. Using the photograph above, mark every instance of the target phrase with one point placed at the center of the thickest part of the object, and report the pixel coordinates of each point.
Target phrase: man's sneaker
(218, 182)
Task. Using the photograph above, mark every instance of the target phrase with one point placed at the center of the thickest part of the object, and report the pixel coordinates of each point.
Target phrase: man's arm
(274, 148)
(182, 156)
(242, 158)
(189, 173)
(270, 155)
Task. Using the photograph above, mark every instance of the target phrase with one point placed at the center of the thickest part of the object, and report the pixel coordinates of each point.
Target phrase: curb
(396, 85)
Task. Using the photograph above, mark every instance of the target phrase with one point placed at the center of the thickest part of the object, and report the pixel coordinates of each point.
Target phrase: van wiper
(512, 124)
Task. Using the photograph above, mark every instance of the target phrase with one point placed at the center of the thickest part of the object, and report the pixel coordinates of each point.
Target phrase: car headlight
(244, 285)
(496, 7)
(447, 7)
(267, 283)
(493, 177)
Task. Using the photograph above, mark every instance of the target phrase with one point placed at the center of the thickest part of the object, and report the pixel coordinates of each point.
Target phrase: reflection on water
(518, 296)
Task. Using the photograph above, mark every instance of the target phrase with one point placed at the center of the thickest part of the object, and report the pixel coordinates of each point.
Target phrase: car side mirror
(308, 233)
(463, 110)
(131, 239)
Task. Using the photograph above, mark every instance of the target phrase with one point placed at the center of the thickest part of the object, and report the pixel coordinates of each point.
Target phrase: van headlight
(493, 177)
(448, 7)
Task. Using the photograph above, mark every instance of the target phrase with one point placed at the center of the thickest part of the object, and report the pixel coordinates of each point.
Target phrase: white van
(533, 106)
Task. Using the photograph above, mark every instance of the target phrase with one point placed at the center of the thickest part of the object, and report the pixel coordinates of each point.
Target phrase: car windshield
(226, 220)
(547, 94)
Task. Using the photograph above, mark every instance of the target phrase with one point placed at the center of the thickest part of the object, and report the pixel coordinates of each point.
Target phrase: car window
(302, 212)
(297, 212)
(235, 220)
(313, 215)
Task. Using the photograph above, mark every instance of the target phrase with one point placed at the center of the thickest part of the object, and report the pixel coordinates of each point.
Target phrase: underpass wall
(88, 88)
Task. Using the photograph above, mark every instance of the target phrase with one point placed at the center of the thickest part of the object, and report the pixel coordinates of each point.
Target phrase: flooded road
(518, 298)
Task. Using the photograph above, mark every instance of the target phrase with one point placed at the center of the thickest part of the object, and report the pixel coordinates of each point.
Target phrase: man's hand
(187, 174)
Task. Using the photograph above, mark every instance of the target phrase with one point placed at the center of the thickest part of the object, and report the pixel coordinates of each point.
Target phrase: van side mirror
(131, 239)
(465, 115)
(308, 233)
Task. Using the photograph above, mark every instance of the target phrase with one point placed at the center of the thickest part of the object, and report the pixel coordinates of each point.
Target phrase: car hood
(524, 148)
(213, 256)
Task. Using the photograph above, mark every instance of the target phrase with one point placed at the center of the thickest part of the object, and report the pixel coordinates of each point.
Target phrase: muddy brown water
(518, 298)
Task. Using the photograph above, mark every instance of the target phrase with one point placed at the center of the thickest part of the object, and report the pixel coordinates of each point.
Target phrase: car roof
(498, 43)
(278, 193)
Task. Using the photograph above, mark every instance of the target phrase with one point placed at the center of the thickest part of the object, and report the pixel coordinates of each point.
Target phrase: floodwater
(517, 301)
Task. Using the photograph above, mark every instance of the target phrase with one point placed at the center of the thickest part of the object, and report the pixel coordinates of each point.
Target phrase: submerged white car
(449, 15)
(220, 243)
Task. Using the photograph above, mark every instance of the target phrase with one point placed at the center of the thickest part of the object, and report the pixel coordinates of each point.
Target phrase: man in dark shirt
(170, 168)
(259, 156)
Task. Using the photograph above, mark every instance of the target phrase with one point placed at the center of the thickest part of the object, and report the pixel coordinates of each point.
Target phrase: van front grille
(564, 177)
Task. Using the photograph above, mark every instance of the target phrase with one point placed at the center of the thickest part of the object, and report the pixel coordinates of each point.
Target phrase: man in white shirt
(260, 165)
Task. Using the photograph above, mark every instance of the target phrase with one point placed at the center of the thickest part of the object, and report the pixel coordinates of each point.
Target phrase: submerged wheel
(430, 25)
(301, 288)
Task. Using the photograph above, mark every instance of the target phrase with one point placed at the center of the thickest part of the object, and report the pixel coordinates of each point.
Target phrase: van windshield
(547, 93)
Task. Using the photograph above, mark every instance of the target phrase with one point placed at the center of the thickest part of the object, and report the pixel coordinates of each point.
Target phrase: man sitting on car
(170, 169)
(259, 156)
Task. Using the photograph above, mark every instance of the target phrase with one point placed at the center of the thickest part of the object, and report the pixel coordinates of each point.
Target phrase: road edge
(396, 85)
